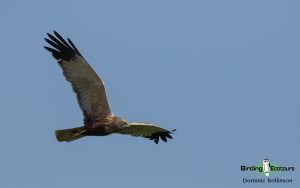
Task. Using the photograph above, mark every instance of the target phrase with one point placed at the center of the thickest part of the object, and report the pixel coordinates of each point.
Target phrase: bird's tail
(69, 135)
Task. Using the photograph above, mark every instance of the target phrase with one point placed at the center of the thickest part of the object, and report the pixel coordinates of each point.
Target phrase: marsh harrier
(90, 91)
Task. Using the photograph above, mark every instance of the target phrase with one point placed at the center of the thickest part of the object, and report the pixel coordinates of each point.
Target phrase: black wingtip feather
(169, 136)
(47, 48)
(61, 39)
(74, 47)
(55, 53)
(161, 135)
(62, 49)
(163, 138)
(55, 32)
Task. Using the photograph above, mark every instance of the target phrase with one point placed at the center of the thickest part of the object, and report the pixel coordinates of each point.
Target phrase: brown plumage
(91, 97)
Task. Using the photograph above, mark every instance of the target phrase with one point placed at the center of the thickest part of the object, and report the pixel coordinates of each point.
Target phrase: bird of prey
(91, 97)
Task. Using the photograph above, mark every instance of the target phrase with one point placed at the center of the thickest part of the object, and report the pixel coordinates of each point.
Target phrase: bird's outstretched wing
(85, 82)
(149, 131)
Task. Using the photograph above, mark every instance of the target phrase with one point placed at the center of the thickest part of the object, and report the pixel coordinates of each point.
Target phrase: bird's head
(121, 122)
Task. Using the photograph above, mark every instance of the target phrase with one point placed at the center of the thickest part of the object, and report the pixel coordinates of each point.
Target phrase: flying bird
(89, 89)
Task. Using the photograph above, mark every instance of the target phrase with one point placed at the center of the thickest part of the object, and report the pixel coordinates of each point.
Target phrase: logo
(267, 169)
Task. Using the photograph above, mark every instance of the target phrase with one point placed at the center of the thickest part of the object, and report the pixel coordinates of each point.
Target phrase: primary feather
(149, 131)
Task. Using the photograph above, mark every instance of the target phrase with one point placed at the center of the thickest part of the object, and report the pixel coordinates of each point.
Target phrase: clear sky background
(226, 74)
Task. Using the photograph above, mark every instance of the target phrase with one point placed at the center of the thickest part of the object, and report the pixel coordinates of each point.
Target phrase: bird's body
(105, 126)
(91, 97)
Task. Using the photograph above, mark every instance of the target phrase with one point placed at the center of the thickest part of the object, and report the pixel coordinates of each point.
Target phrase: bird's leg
(79, 133)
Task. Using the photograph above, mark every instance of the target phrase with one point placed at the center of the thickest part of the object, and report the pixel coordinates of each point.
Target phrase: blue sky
(224, 73)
